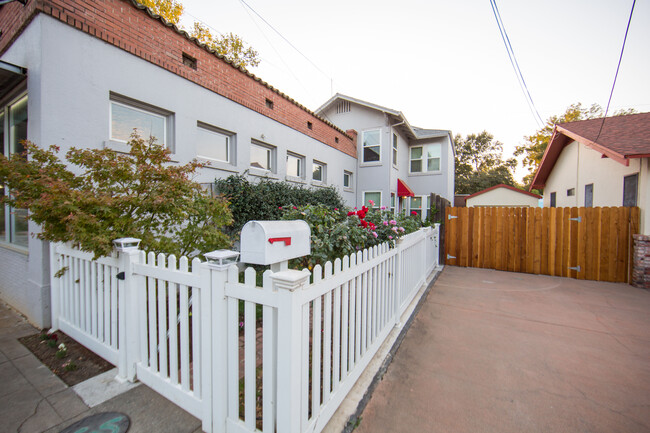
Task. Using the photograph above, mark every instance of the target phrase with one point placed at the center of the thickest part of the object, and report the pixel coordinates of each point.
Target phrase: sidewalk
(34, 400)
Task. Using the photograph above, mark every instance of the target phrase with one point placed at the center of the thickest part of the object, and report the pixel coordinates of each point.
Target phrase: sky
(443, 63)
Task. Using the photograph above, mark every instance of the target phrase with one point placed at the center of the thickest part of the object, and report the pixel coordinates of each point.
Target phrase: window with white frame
(374, 196)
(262, 156)
(372, 145)
(127, 115)
(416, 205)
(13, 130)
(295, 164)
(318, 172)
(425, 158)
(392, 202)
(213, 143)
(395, 149)
(347, 180)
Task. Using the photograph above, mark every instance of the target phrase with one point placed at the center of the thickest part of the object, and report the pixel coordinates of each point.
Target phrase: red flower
(280, 207)
(336, 208)
(295, 207)
(372, 226)
(364, 223)
(413, 213)
(54, 337)
(361, 214)
(351, 213)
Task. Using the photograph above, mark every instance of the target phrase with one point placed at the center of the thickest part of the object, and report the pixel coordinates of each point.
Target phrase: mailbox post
(274, 242)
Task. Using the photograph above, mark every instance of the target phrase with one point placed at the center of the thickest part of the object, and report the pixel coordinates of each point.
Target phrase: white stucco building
(399, 165)
(503, 196)
(586, 165)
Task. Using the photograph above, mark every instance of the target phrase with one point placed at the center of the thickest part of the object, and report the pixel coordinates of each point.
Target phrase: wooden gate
(583, 243)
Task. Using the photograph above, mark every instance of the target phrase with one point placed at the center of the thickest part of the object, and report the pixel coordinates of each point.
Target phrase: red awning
(403, 190)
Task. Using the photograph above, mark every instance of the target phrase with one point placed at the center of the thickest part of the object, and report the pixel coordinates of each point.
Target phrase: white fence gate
(242, 358)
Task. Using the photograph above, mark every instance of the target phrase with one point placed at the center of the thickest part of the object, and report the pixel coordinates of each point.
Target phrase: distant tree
(535, 145)
(480, 163)
(170, 10)
(231, 46)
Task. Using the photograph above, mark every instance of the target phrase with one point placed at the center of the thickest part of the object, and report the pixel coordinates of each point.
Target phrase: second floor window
(425, 158)
(395, 150)
(372, 145)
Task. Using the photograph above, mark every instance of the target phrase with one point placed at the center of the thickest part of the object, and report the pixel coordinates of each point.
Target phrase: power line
(515, 64)
(617, 68)
(285, 39)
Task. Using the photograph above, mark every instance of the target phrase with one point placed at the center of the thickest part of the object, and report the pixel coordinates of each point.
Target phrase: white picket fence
(242, 358)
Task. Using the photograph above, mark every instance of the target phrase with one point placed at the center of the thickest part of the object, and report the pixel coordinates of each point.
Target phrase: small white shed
(503, 196)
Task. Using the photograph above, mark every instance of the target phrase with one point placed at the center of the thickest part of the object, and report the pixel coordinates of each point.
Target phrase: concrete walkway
(504, 352)
(33, 400)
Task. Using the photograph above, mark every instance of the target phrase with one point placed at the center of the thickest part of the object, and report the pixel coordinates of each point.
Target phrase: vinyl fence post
(214, 339)
(436, 244)
(289, 285)
(128, 328)
(55, 287)
(398, 282)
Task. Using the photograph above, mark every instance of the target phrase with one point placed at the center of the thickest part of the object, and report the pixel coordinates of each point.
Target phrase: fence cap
(126, 244)
(221, 259)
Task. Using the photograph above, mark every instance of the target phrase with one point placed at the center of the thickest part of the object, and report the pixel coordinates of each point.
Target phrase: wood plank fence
(583, 243)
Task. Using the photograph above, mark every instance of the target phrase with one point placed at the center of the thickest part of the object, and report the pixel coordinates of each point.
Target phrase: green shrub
(264, 200)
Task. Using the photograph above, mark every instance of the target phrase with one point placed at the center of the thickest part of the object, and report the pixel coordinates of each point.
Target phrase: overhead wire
(285, 39)
(515, 64)
(627, 29)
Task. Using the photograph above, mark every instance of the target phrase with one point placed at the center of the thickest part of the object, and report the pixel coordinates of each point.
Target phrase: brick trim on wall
(129, 26)
(641, 264)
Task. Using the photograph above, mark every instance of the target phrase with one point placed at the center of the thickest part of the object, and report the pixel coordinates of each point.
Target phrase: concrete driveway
(495, 351)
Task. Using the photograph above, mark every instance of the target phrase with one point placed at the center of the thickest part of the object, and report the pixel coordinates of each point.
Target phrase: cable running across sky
(515, 64)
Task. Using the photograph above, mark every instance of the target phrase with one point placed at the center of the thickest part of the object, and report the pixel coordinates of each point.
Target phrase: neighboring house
(84, 74)
(399, 165)
(584, 166)
(503, 196)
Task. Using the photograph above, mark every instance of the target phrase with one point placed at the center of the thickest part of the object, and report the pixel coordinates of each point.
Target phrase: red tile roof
(622, 138)
(501, 185)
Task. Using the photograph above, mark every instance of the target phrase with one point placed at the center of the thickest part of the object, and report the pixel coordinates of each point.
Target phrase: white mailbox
(270, 242)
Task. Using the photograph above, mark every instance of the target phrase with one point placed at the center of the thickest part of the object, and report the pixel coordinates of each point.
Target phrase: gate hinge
(449, 256)
(577, 268)
(579, 219)
(451, 217)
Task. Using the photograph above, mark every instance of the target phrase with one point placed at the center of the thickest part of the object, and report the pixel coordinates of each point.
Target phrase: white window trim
(256, 171)
(323, 180)
(231, 146)
(422, 208)
(351, 175)
(424, 162)
(134, 104)
(10, 227)
(371, 163)
(298, 179)
(377, 205)
(394, 149)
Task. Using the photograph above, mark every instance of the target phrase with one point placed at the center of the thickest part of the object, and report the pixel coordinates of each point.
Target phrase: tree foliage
(269, 199)
(480, 163)
(170, 10)
(535, 145)
(229, 45)
(115, 195)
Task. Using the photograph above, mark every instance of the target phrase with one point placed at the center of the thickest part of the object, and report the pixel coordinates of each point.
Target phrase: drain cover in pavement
(105, 422)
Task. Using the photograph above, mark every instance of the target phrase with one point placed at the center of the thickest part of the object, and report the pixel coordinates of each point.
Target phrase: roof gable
(501, 185)
(621, 139)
